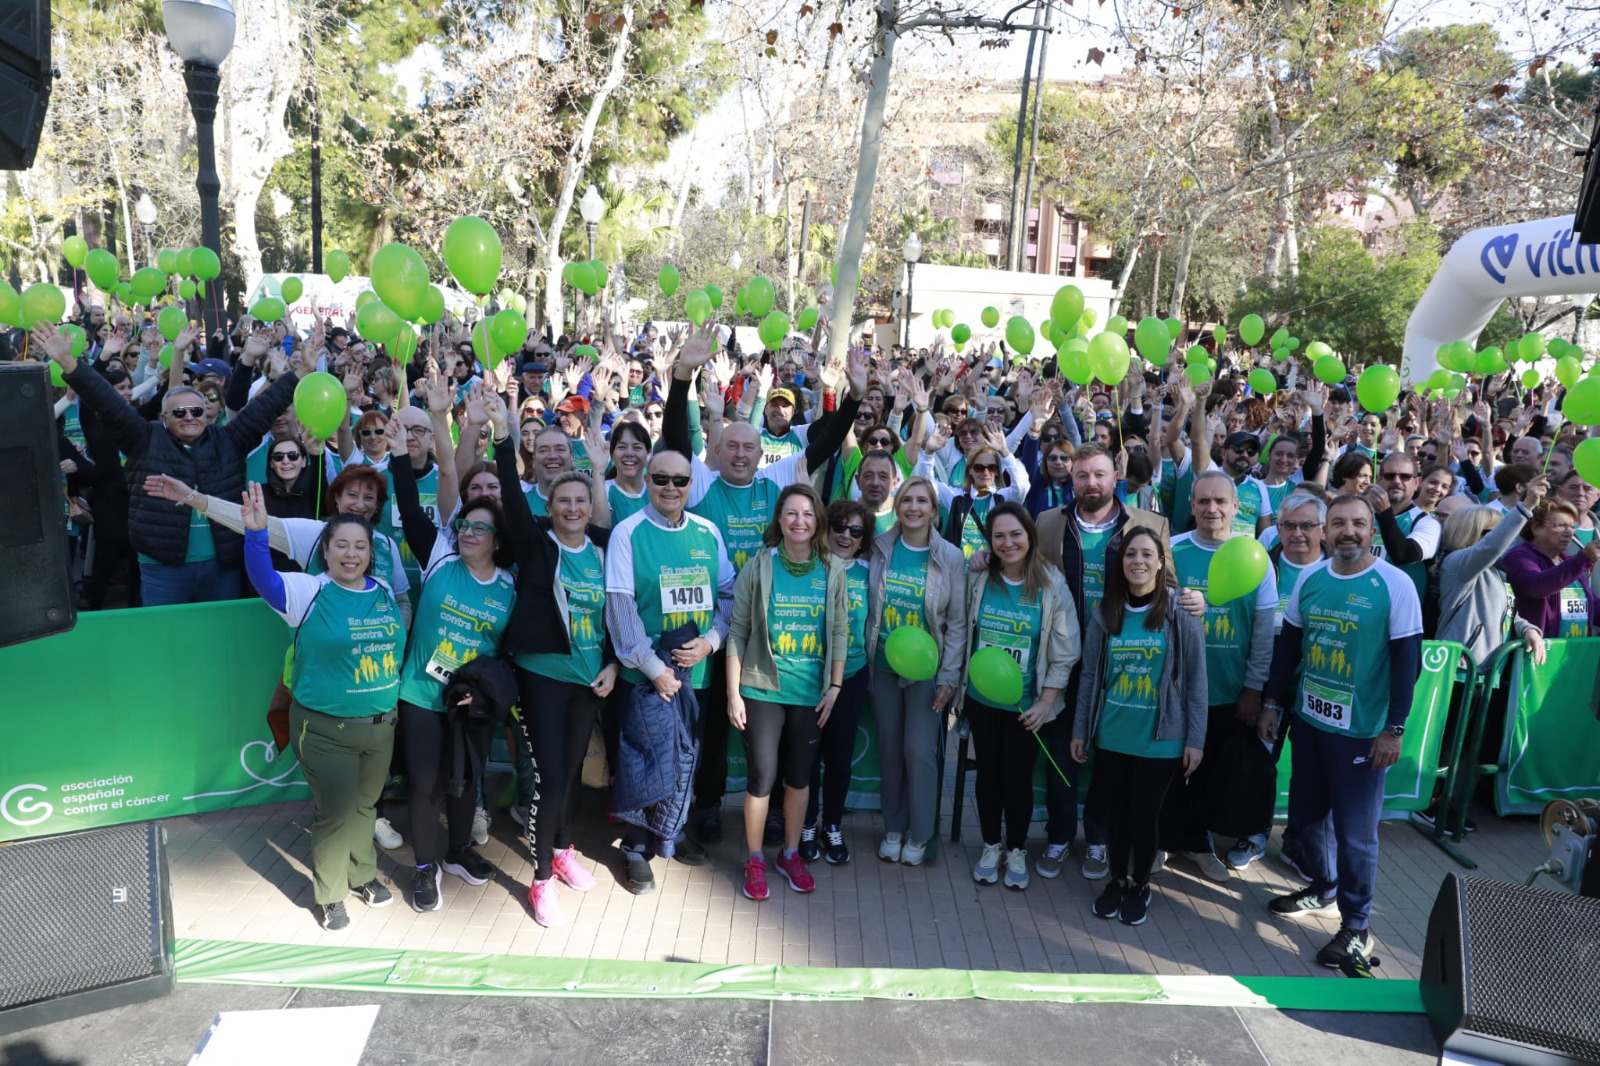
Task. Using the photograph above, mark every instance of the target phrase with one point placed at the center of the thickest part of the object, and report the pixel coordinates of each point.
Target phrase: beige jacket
(747, 633)
(945, 598)
(1060, 642)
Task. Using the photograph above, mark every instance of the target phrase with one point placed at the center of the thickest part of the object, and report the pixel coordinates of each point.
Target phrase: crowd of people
(676, 538)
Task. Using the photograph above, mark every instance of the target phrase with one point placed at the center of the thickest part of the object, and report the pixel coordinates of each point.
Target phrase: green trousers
(346, 762)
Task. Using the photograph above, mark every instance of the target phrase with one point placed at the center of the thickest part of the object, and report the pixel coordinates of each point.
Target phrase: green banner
(1551, 744)
(136, 715)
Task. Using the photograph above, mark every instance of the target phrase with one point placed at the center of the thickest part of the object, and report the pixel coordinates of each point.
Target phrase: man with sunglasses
(182, 558)
(1239, 453)
(1409, 537)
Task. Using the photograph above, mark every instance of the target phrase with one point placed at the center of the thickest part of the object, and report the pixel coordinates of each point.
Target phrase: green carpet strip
(463, 974)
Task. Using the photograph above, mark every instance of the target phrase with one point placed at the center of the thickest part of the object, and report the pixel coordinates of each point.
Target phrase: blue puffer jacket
(657, 750)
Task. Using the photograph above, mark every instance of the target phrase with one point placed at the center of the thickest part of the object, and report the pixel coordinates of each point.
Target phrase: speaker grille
(1532, 957)
(80, 912)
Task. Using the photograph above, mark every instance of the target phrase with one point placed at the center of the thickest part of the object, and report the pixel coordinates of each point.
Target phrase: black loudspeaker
(86, 924)
(35, 583)
(1509, 972)
(25, 79)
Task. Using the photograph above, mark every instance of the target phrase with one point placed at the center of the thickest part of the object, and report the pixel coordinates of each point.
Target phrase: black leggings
(1006, 753)
(837, 751)
(1134, 788)
(766, 726)
(557, 721)
(424, 739)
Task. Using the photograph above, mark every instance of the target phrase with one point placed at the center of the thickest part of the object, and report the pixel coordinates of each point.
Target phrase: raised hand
(695, 349)
(722, 370)
(394, 435)
(186, 337)
(855, 372)
(54, 343)
(253, 508)
(436, 391)
(495, 408)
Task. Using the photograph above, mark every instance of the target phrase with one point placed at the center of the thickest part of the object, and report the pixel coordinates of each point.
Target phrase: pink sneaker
(566, 866)
(794, 871)
(755, 879)
(544, 898)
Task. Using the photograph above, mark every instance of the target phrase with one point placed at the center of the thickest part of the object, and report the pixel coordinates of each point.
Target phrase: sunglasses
(1394, 476)
(1058, 457)
(371, 431)
(284, 457)
(1049, 438)
(979, 468)
(856, 532)
(880, 444)
(188, 412)
(1245, 449)
(682, 481)
(654, 414)
(477, 529)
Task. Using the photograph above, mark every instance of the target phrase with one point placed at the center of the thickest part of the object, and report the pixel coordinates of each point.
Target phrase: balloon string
(1044, 748)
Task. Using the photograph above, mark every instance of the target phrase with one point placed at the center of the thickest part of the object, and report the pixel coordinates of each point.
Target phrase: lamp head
(145, 210)
(913, 249)
(200, 31)
(591, 207)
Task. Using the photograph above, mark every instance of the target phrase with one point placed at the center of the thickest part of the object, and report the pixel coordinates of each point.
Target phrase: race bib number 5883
(1327, 705)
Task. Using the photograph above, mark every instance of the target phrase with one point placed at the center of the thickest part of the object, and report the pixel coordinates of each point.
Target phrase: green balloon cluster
(773, 329)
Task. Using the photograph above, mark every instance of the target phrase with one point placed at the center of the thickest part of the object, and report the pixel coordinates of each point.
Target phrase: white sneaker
(1211, 867)
(987, 872)
(913, 851)
(384, 834)
(480, 826)
(1159, 862)
(1017, 868)
(889, 850)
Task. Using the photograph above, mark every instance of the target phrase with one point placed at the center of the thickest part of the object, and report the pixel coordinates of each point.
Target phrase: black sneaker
(1346, 943)
(335, 917)
(1135, 905)
(1291, 862)
(1109, 905)
(468, 865)
(1426, 817)
(374, 894)
(773, 835)
(706, 826)
(836, 853)
(810, 850)
(641, 879)
(425, 888)
(1305, 902)
(689, 852)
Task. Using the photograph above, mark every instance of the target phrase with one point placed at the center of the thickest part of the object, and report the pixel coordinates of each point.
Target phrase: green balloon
(585, 351)
(1073, 361)
(1530, 378)
(1174, 330)
(1292, 344)
(167, 261)
(1531, 346)
(1019, 335)
(102, 268)
(601, 274)
(57, 378)
(42, 303)
(1236, 569)
(1586, 458)
(73, 249)
(1280, 337)
(1195, 354)
(364, 297)
(714, 294)
(400, 278)
(483, 345)
(292, 290)
(583, 279)
(1118, 325)
(697, 307)
(320, 404)
(1150, 336)
(738, 301)
(773, 329)
(509, 330)
(1439, 380)
(171, 321)
(1489, 361)
(10, 304)
(807, 320)
(1329, 369)
(1108, 357)
(961, 333)
(667, 278)
(472, 254)
(996, 676)
(165, 355)
(79, 339)
(1263, 381)
(1220, 335)
(990, 318)
(1378, 387)
(124, 293)
(147, 283)
(912, 653)
(1568, 371)
(1089, 317)
(376, 321)
(404, 346)
(267, 309)
(337, 265)
(1197, 373)
(186, 263)
(1066, 306)
(758, 296)
(1251, 327)
(206, 265)
(1316, 350)
(1582, 404)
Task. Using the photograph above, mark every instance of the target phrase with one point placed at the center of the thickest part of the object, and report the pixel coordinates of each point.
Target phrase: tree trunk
(572, 171)
(1180, 276)
(1015, 245)
(1155, 283)
(855, 230)
(1033, 154)
(1126, 272)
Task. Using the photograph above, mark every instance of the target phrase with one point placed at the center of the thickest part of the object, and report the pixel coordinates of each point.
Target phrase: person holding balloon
(1025, 644)
(917, 626)
(1141, 702)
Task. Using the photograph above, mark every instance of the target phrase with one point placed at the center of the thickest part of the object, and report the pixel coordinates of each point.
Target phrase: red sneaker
(793, 868)
(755, 879)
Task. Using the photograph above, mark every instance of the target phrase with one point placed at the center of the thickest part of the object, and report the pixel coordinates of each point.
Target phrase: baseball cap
(574, 404)
(1242, 441)
(781, 394)
(214, 367)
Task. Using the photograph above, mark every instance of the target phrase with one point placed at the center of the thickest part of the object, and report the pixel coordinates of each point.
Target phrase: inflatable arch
(1487, 266)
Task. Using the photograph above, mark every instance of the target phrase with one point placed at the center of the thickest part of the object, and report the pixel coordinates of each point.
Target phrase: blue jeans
(206, 581)
(1331, 775)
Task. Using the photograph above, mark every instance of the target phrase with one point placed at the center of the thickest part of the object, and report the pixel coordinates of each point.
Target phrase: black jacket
(214, 463)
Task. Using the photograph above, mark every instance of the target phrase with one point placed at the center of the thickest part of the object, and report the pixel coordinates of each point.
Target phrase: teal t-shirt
(255, 464)
(348, 651)
(1228, 626)
(583, 579)
(905, 586)
(672, 575)
(1094, 565)
(1255, 501)
(1182, 492)
(1348, 621)
(389, 520)
(537, 504)
(457, 619)
(1135, 658)
(973, 538)
(776, 448)
(622, 504)
(856, 577)
(741, 512)
(884, 522)
(1276, 494)
(1288, 574)
(797, 615)
(1006, 620)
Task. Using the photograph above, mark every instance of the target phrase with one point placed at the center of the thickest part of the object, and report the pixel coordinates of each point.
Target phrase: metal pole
(593, 227)
(316, 187)
(203, 83)
(1016, 163)
(905, 341)
(149, 248)
(1033, 153)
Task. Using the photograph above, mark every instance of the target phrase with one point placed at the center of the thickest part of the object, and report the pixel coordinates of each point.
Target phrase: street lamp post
(592, 208)
(911, 253)
(145, 212)
(201, 32)
(735, 261)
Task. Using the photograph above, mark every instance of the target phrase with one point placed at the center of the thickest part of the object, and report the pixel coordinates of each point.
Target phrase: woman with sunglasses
(1142, 702)
(1019, 604)
(966, 514)
(785, 664)
(341, 718)
(917, 579)
(849, 535)
(291, 487)
(461, 614)
(364, 443)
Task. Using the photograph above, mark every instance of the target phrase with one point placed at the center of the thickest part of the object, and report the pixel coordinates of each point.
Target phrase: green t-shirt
(741, 513)
(797, 615)
(856, 577)
(1255, 501)
(672, 574)
(1182, 510)
(958, 473)
(1135, 658)
(905, 586)
(1094, 564)
(255, 464)
(580, 455)
(457, 619)
(583, 579)
(1288, 574)
(389, 520)
(1348, 621)
(1008, 622)
(1276, 494)
(776, 448)
(972, 530)
(622, 504)
(884, 522)
(537, 504)
(1229, 626)
(347, 652)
